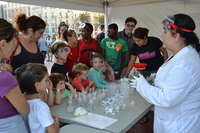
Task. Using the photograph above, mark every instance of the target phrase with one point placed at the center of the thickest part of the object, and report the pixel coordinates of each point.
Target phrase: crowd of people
(89, 63)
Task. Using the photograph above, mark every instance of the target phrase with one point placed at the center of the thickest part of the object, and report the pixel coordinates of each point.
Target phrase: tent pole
(105, 5)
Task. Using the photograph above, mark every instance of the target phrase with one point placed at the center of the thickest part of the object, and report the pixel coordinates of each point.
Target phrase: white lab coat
(177, 93)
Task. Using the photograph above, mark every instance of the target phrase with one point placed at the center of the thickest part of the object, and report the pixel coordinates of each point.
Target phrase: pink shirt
(7, 83)
(77, 84)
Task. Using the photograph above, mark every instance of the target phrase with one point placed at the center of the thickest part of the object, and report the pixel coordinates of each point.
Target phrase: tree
(99, 21)
(84, 17)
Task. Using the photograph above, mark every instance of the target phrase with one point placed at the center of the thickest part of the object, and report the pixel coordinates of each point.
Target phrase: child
(95, 72)
(59, 91)
(33, 79)
(108, 73)
(60, 52)
(87, 44)
(72, 58)
(80, 81)
(114, 50)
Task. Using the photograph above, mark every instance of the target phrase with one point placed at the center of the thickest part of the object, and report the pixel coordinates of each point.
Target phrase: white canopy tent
(149, 13)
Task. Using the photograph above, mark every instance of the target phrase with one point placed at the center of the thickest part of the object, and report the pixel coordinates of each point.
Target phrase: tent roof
(86, 5)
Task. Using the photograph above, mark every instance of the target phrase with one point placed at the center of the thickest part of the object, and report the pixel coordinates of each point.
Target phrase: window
(67, 15)
(47, 30)
(60, 14)
(53, 29)
(66, 21)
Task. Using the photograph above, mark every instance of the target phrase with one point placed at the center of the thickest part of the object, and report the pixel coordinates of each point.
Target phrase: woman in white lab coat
(176, 94)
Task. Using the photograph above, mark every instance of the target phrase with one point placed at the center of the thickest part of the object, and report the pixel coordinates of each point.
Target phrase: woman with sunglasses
(12, 102)
(177, 87)
(27, 49)
(148, 50)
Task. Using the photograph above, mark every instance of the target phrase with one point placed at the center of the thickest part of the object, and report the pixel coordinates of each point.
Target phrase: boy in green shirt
(113, 50)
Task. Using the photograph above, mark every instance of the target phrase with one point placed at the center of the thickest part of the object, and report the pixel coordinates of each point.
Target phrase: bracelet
(57, 90)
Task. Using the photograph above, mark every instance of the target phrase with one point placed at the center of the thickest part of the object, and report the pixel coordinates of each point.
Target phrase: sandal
(144, 120)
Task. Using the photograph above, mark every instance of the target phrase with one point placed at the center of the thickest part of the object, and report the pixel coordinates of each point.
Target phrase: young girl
(33, 79)
(108, 73)
(59, 91)
(72, 58)
(95, 72)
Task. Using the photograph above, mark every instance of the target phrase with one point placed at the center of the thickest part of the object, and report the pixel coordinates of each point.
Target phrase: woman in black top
(147, 49)
(27, 51)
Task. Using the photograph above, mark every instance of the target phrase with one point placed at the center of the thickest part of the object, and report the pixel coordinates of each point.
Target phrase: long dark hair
(186, 22)
(28, 75)
(61, 25)
(7, 31)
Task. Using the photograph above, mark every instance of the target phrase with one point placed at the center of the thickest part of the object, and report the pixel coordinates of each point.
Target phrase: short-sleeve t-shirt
(77, 84)
(113, 51)
(39, 117)
(57, 68)
(64, 94)
(72, 59)
(85, 48)
(149, 53)
(7, 83)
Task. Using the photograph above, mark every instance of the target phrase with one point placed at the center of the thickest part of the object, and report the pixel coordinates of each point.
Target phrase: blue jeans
(44, 54)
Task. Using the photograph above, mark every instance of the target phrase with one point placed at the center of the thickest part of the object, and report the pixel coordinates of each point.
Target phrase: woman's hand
(6, 67)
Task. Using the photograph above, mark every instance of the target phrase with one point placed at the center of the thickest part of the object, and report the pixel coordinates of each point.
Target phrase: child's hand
(68, 84)
(117, 76)
(91, 83)
(49, 85)
(56, 120)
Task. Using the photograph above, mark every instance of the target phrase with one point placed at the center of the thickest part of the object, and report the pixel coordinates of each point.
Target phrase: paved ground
(143, 128)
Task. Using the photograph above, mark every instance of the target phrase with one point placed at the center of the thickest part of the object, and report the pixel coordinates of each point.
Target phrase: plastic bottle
(105, 107)
(70, 107)
(122, 102)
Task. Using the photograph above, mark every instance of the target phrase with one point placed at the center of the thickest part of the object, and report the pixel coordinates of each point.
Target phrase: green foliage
(84, 17)
(99, 21)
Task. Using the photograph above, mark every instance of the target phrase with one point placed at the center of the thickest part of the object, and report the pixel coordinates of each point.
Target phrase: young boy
(60, 51)
(59, 91)
(114, 50)
(80, 81)
(87, 44)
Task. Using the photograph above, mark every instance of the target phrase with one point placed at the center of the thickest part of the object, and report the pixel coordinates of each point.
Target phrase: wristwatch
(57, 90)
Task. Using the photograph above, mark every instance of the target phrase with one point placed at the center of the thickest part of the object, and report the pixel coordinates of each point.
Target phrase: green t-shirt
(64, 95)
(113, 51)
